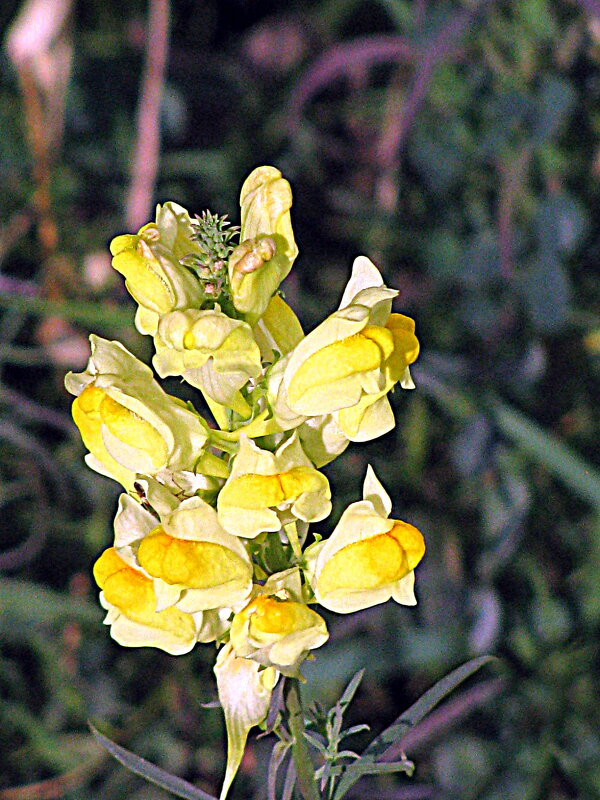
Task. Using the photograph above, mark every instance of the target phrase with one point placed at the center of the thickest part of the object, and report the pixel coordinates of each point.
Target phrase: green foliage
(483, 214)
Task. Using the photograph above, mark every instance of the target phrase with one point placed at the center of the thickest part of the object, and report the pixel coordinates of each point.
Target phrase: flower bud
(268, 249)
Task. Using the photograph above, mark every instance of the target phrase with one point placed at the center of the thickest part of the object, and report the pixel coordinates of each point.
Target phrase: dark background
(456, 144)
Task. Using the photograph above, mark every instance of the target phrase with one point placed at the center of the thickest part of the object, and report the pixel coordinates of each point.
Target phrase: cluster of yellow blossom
(210, 533)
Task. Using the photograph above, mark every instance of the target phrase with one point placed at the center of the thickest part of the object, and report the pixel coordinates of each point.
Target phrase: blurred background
(455, 143)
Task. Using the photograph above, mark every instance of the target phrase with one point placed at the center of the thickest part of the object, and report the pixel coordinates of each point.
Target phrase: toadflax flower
(277, 628)
(149, 261)
(165, 583)
(129, 597)
(194, 563)
(368, 558)
(126, 420)
(266, 491)
(210, 351)
(267, 247)
(349, 363)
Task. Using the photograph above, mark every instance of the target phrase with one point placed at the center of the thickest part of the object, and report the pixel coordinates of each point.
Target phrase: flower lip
(129, 597)
(266, 490)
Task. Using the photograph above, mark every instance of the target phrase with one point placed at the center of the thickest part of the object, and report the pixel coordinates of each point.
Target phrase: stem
(304, 767)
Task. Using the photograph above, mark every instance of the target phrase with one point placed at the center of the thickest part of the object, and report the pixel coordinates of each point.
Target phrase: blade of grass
(547, 451)
(80, 311)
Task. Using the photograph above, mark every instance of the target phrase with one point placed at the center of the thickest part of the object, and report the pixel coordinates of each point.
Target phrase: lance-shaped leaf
(149, 771)
(368, 764)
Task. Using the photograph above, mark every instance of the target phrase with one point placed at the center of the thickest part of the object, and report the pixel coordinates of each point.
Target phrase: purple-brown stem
(147, 147)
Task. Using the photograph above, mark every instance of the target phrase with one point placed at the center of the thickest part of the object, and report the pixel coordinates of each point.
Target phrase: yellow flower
(194, 563)
(277, 628)
(349, 363)
(210, 351)
(153, 275)
(127, 422)
(129, 597)
(245, 695)
(368, 558)
(268, 249)
(266, 491)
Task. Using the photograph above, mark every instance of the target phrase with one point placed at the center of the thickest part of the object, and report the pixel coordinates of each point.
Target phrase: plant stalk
(305, 771)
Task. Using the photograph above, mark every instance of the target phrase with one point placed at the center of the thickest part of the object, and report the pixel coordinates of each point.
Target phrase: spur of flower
(368, 558)
(245, 689)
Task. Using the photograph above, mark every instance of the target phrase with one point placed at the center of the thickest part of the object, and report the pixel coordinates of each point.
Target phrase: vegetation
(456, 145)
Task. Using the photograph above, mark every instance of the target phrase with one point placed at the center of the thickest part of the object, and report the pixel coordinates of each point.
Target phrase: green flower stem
(305, 771)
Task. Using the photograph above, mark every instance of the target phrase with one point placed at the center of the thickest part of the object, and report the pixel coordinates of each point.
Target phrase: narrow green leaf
(406, 721)
(424, 705)
(367, 767)
(350, 690)
(150, 772)
(85, 313)
(553, 455)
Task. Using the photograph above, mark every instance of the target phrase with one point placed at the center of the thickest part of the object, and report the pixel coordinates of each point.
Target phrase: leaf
(382, 767)
(404, 723)
(576, 473)
(278, 754)
(425, 704)
(150, 772)
(85, 313)
(350, 690)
